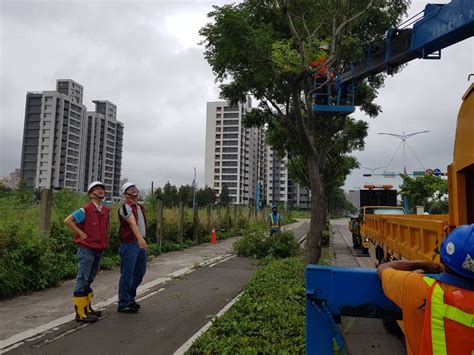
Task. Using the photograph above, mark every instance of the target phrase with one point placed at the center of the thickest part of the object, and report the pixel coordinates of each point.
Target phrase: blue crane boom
(440, 26)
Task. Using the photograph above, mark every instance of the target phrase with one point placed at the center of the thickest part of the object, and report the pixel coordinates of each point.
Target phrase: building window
(217, 163)
(216, 171)
(218, 150)
(216, 177)
(218, 123)
(216, 184)
(217, 157)
(218, 136)
(218, 129)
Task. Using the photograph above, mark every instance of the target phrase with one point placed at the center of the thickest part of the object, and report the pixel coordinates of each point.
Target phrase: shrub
(269, 318)
(325, 237)
(261, 245)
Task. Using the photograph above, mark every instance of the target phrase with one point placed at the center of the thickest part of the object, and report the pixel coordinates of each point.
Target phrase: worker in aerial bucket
(438, 310)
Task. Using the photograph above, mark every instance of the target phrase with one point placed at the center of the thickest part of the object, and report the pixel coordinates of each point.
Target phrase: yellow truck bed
(413, 237)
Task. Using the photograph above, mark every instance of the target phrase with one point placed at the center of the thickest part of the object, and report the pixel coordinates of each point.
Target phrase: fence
(203, 220)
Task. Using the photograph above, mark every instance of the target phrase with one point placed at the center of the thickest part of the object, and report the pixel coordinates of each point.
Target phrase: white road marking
(221, 261)
(7, 343)
(151, 294)
(187, 345)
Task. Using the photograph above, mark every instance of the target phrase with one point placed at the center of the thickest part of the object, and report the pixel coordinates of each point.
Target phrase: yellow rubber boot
(80, 305)
(90, 296)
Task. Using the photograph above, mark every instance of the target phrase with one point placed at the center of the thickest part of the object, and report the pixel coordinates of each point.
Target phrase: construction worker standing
(132, 249)
(438, 310)
(90, 225)
(274, 221)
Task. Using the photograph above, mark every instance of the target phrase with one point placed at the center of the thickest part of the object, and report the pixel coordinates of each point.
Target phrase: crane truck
(334, 292)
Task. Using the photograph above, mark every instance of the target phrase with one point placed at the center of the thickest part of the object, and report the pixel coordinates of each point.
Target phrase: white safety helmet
(127, 185)
(94, 184)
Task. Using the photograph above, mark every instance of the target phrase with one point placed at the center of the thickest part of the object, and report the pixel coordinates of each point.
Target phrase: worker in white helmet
(90, 225)
(133, 248)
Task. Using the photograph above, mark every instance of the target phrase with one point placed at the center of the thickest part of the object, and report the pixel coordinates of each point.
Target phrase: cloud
(144, 57)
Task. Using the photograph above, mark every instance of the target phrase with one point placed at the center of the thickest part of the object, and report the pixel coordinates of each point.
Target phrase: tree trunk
(318, 212)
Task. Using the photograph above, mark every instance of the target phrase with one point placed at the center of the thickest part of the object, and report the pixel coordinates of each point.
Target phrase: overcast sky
(144, 57)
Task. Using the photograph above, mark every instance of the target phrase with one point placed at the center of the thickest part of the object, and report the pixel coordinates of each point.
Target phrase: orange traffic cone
(213, 236)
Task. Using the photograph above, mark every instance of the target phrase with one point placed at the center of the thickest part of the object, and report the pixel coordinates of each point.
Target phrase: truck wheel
(355, 242)
(392, 326)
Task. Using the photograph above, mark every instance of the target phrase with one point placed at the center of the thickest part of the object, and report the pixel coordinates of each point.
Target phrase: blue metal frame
(337, 102)
(332, 292)
(441, 26)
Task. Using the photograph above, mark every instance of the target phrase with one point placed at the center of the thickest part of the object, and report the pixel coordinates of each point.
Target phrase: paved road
(363, 336)
(165, 322)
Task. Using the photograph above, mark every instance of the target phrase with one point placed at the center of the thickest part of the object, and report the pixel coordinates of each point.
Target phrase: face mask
(132, 193)
(99, 196)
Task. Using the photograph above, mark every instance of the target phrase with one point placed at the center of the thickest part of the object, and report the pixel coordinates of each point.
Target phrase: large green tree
(264, 48)
(428, 191)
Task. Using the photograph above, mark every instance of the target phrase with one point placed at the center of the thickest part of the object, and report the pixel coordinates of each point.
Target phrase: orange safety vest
(448, 328)
(322, 71)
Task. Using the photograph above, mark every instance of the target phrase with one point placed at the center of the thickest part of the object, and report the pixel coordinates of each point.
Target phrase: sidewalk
(23, 313)
(364, 336)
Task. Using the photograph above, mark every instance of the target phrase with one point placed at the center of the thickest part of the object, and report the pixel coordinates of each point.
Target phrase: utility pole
(194, 189)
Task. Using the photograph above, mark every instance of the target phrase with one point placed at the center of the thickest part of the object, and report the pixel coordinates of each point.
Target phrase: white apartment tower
(54, 125)
(103, 142)
(280, 188)
(233, 157)
(66, 146)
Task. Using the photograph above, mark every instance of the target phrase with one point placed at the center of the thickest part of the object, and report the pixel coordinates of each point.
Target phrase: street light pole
(403, 137)
(194, 190)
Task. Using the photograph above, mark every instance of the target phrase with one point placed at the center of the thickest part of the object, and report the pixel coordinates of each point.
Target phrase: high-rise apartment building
(66, 146)
(239, 158)
(52, 150)
(103, 142)
(233, 154)
(280, 188)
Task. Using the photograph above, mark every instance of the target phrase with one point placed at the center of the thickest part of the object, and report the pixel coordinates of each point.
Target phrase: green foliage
(205, 197)
(224, 198)
(30, 260)
(260, 245)
(4, 191)
(265, 48)
(429, 191)
(269, 317)
(326, 237)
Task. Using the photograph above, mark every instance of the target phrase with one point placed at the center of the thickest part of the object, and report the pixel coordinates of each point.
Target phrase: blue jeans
(132, 270)
(87, 267)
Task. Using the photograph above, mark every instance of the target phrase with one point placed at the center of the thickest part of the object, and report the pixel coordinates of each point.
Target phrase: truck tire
(355, 242)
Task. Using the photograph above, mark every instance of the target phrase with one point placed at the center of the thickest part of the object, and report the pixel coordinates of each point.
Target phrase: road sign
(429, 172)
(389, 174)
(418, 173)
(437, 172)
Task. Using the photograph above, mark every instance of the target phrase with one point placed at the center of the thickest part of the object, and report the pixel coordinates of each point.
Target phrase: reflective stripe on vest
(439, 311)
(274, 218)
